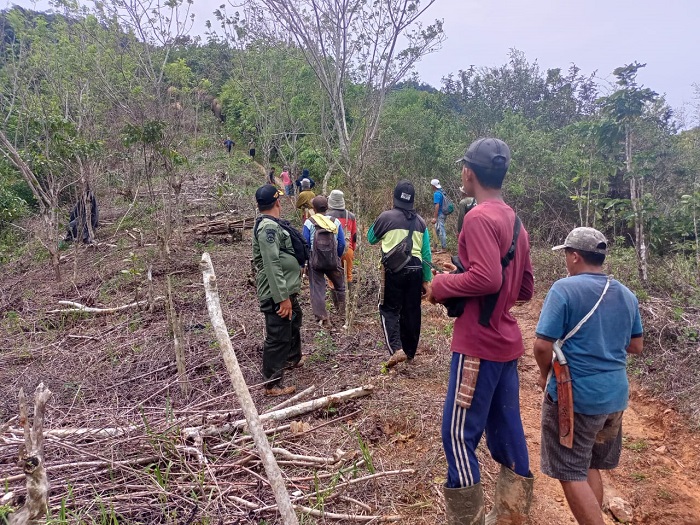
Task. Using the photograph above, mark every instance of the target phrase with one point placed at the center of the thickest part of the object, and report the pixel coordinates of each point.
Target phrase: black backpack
(301, 248)
(324, 254)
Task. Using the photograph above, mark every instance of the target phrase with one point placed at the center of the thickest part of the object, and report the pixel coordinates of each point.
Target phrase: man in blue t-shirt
(439, 214)
(597, 359)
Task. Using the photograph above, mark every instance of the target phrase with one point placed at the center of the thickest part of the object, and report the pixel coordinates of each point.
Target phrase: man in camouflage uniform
(278, 279)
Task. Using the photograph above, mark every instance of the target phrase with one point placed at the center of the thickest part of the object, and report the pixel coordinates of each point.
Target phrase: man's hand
(449, 267)
(428, 293)
(433, 221)
(285, 309)
(542, 382)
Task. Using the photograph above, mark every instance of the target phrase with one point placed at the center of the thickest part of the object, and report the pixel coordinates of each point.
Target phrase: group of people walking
(588, 324)
(282, 255)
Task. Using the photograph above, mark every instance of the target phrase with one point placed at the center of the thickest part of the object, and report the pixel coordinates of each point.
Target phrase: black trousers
(282, 340)
(400, 313)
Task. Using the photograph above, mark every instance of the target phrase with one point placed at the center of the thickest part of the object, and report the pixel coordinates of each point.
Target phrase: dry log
(294, 398)
(91, 433)
(31, 457)
(208, 216)
(81, 308)
(84, 465)
(356, 502)
(221, 226)
(315, 460)
(272, 470)
(296, 410)
(7, 424)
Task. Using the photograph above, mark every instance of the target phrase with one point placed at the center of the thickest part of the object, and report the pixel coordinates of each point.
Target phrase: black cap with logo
(404, 195)
(267, 195)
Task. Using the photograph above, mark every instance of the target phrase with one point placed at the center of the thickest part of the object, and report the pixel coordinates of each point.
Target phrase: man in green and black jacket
(278, 279)
(400, 309)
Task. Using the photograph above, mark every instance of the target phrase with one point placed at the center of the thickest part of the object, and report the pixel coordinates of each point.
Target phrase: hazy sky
(596, 35)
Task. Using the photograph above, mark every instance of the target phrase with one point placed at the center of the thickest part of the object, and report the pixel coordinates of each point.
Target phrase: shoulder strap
(557, 351)
(257, 224)
(409, 237)
(511, 251)
(259, 220)
(488, 304)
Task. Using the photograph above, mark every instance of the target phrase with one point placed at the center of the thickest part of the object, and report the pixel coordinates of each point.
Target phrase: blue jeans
(495, 408)
(440, 230)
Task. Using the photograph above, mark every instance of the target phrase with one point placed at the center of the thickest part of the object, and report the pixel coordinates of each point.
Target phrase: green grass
(637, 445)
(324, 347)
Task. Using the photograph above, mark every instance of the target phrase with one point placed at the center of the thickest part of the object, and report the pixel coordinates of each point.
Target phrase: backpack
(324, 253)
(400, 255)
(447, 205)
(299, 245)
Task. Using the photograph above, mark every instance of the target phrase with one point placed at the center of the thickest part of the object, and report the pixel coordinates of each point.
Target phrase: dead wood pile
(165, 469)
(221, 226)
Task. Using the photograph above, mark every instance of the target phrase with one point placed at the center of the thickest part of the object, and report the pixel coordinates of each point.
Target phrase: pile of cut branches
(199, 461)
(221, 225)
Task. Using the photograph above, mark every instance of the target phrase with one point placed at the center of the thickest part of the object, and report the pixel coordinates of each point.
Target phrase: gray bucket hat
(586, 240)
(336, 200)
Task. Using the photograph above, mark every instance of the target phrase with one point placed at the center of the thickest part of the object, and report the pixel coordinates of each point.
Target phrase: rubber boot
(511, 503)
(465, 506)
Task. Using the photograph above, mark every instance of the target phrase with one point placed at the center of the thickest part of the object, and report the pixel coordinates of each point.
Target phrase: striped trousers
(495, 408)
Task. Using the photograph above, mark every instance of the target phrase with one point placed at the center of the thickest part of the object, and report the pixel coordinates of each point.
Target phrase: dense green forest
(122, 99)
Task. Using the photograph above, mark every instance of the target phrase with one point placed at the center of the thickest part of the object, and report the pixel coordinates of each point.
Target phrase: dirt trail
(660, 484)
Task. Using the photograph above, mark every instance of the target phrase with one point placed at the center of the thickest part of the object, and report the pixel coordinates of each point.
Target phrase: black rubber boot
(464, 506)
(512, 500)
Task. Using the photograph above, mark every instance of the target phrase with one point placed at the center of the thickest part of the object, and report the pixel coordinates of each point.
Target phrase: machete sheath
(565, 397)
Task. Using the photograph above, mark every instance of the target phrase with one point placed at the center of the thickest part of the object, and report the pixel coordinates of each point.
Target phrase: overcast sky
(596, 35)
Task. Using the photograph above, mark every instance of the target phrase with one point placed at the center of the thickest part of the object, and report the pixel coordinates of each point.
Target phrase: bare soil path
(660, 453)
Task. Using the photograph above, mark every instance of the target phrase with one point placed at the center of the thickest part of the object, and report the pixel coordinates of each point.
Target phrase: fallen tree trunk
(272, 470)
(278, 415)
(81, 308)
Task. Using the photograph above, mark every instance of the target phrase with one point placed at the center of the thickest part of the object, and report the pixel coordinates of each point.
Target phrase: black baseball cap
(404, 195)
(487, 153)
(267, 195)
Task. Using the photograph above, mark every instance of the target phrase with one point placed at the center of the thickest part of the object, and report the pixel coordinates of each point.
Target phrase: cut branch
(31, 457)
(296, 410)
(239, 385)
(77, 307)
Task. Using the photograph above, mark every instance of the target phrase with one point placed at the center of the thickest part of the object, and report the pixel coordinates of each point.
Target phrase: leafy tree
(626, 107)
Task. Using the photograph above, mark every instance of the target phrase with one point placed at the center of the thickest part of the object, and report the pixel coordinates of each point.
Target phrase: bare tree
(354, 42)
(350, 44)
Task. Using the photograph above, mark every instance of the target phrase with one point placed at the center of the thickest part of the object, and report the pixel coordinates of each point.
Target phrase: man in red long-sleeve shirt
(483, 391)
